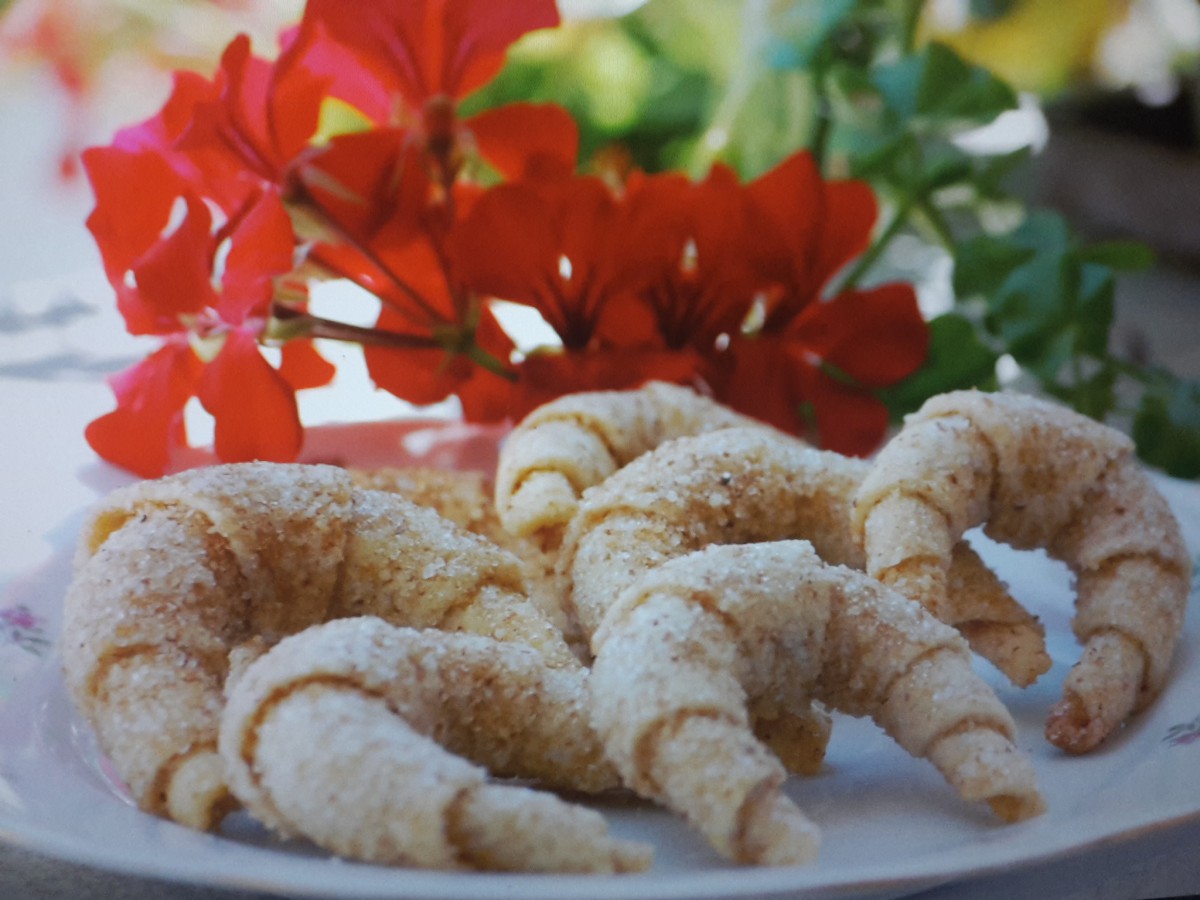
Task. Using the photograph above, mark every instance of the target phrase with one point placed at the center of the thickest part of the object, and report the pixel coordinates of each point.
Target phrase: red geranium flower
(205, 285)
(259, 121)
(374, 199)
(639, 287)
(553, 245)
(245, 128)
(425, 56)
(568, 248)
(711, 250)
(346, 157)
(394, 193)
(394, 222)
(821, 225)
(467, 356)
(420, 50)
(812, 363)
(816, 375)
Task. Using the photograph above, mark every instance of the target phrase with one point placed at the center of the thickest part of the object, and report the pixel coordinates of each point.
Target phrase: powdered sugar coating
(357, 733)
(699, 601)
(1035, 474)
(172, 575)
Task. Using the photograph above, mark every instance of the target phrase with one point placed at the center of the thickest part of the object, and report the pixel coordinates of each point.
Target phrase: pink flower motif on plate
(22, 627)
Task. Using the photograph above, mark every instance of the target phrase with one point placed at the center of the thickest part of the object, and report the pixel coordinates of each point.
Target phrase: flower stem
(871, 255)
(288, 323)
(909, 24)
(489, 363)
(291, 323)
(818, 143)
(1148, 376)
(341, 233)
(937, 221)
(755, 32)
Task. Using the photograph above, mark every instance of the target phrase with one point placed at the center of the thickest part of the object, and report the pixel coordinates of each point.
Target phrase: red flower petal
(253, 406)
(161, 130)
(148, 421)
(848, 420)
(877, 337)
(657, 223)
(227, 141)
(408, 278)
(779, 380)
(303, 367)
(174, 277)
(423, 376)
(523, 140)
(757, 378)
(550, 244)
(701, 249)
(823, 225)
(373, 185)
(627, 322)
(294, 96)
(426, 48)
(417, 376)
(508, 245)
(793, 195)
(262, 119)
(323, 60)
(135, 192)
(545, 376)
(262, 246)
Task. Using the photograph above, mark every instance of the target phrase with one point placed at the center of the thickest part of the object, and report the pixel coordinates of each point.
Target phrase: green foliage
(646, 82)
(934, 85)
(1033, 292)
(1046, 304)
(1167, 427)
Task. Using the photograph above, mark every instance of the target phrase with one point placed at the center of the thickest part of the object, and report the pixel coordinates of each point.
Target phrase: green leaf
(991, 172)
(944, 166)
(957, 359)
(1096, 308)
(1044, 230)
(1048, 306)
(1125, 255)
(1097, 396)
(875, 156)
(937, 84)
(1044, 351)
(1093, 396)
(803, 31)
(1166, 428)
(983, 263)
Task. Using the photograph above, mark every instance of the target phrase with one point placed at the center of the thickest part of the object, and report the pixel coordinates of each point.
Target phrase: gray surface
(1162, 864)
(31, 876)
(1165, 863)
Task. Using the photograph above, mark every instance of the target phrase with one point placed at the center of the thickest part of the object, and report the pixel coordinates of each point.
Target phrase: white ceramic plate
(890, 824)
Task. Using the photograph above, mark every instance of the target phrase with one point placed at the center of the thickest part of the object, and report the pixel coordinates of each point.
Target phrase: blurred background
(1110, 87)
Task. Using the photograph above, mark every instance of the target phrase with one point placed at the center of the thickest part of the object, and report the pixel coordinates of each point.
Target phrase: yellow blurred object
(1037, 45)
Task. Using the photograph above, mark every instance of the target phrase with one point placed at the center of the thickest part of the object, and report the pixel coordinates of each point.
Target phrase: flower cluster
(345, 156)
